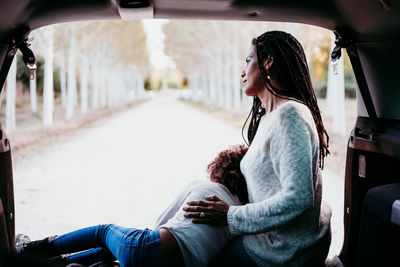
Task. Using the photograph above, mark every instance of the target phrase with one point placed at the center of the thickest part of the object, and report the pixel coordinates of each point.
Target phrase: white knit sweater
(284, 216)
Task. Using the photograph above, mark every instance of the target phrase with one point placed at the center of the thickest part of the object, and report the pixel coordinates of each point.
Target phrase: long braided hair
(293, 73)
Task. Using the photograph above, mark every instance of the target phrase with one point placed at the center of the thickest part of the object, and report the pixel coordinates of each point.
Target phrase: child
(176, 241)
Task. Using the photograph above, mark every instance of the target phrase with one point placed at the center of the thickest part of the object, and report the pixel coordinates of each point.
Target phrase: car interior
(369, 30)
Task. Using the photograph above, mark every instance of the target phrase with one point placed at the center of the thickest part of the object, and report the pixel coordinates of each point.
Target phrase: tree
(212, 64)
(10, 97)
(211, 54)
(110, 68)
(335, 94)
(48, 88)
(100, 62)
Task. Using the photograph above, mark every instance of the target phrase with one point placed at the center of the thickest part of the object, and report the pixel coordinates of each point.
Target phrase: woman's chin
(249, 93)
(245, 89)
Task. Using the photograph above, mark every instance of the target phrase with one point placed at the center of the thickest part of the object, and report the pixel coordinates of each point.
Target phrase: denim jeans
(131, 247)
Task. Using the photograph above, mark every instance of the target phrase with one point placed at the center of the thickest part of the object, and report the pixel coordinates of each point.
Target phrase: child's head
(225, 169)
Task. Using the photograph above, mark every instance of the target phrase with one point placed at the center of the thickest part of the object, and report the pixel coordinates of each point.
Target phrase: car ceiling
(365, 20)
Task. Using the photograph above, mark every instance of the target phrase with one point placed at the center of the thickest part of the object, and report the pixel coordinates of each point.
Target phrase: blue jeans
(131, 247)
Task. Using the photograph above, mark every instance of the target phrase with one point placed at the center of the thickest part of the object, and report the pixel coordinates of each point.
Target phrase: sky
(155, 44)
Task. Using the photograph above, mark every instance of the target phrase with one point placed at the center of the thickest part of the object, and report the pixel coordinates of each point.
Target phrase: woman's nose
(242, 74)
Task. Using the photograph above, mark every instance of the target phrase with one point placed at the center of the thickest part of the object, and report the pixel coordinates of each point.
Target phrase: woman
(284, 224)
(176, 240)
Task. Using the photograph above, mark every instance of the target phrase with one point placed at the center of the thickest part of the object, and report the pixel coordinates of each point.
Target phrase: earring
(269, 77)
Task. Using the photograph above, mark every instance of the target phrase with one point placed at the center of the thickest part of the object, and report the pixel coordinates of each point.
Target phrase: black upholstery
(378, 243)
(4, 246)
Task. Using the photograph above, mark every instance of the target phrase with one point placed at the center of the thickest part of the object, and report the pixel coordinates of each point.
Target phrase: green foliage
(19, 104)
(159, 84)
(152, 85)
(22, 71)
(147, 84)
(184, 82)
(174, 84)
(349, 78)
(319, 71)
(56, 80)
(178, 83)
(319, 67)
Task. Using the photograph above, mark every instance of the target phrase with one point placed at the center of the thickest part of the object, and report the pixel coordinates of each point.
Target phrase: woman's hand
(214, 211)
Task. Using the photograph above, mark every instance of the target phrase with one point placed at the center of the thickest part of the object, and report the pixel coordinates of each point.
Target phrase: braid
(293, 73)
(256, 112)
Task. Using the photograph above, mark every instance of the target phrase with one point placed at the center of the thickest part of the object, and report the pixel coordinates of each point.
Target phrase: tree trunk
(84, 84)
(136, 88)
(236, 68)
(117, 83)
(32, 89)
(335, 96)
(227, 80)
(198, 91)
(309, 46)
(220, 86)
(103, 92)
(10, 97)
(95, 90)
(48, 89)
(110, 92)
(212, 81)
(71, 86)
(141, 87)
(165, 78)
(189, 78)
(132, 84)
(205, 95)
(63, 82)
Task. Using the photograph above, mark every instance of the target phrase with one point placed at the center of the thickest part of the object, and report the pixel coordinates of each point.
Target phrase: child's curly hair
(225, 169)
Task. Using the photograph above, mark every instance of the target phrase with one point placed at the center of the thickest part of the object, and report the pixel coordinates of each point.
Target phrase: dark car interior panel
(7, 213)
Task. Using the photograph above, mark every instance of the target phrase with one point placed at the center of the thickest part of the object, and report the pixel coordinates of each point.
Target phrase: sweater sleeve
(291, 152)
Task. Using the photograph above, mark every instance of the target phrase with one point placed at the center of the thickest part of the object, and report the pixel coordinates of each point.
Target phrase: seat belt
(27, 55)
(358, 73)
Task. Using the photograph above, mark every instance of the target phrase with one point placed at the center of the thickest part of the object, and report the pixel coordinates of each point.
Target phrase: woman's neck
(270, 102)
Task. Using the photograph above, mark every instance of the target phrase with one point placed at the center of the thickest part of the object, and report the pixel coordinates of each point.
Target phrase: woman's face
(252, 82)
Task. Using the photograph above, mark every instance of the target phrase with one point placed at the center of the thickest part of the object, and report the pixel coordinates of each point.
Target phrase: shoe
(60, 259)
(21, 238)
(44, 247)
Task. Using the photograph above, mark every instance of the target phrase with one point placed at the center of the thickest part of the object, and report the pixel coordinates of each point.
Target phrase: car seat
(378, 243)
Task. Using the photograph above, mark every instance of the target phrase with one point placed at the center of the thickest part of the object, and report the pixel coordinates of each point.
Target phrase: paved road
(125, 169)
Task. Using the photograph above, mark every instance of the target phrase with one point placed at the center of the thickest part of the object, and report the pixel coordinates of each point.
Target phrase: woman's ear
(268, 62)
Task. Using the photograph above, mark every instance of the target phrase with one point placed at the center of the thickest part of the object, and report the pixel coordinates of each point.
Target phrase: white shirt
(199, 243)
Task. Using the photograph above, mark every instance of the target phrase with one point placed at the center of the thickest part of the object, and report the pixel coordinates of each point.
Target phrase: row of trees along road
(108, 61)
(211, 55)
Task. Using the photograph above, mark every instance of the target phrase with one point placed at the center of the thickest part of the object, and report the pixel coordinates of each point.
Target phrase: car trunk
(373, 152)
